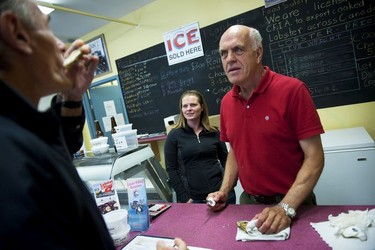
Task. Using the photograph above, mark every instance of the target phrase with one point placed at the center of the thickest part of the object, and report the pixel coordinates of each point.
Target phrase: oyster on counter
(242, 224)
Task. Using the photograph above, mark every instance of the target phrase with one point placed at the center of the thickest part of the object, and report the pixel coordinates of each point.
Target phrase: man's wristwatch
(289, 211)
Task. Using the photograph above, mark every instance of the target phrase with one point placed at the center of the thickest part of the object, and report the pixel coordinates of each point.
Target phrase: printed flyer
(105, 195)
(139, 218)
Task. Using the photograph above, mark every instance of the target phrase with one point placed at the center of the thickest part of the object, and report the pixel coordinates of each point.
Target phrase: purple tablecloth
(200, 227)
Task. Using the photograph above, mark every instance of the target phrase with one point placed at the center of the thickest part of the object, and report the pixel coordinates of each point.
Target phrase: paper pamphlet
(139, 218)
(105, 195)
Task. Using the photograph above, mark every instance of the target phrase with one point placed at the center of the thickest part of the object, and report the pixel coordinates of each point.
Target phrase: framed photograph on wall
(99, 48)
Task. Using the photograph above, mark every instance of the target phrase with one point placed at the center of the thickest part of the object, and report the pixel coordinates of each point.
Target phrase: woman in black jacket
(194, 155)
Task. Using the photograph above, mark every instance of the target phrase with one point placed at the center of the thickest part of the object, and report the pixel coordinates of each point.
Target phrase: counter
(200, 227)
(137, 162)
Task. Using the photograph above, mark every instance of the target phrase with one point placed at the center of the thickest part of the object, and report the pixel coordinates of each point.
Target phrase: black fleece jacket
(203, 157)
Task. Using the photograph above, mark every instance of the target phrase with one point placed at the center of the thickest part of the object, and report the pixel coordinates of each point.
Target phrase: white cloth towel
(252, 233)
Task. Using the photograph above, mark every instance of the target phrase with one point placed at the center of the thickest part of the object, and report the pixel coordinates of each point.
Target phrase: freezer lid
(347, 138)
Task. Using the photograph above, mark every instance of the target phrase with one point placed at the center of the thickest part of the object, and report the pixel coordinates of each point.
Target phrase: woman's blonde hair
(205, 122)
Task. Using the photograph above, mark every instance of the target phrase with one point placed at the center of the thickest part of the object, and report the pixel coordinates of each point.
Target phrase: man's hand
(81, 72)
(178, 244)
(272, 220)
(220, 199)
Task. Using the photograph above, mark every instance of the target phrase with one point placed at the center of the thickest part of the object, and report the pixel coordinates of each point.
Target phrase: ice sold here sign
(183, 44)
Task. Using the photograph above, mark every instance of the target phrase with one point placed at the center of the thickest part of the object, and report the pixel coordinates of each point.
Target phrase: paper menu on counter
(141, 242)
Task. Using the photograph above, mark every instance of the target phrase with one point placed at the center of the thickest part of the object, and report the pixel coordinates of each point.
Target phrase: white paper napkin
(334, 230)
(253, 233)
(338, 242)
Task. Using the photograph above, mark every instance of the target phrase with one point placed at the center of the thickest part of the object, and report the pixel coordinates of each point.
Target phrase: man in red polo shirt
(274, 132)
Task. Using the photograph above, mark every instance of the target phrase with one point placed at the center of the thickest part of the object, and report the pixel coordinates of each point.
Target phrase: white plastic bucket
(116, 221)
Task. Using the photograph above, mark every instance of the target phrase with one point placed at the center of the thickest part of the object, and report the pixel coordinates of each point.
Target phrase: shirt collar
(262, 86)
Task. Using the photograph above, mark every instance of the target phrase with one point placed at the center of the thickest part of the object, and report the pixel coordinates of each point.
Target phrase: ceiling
(69, 26)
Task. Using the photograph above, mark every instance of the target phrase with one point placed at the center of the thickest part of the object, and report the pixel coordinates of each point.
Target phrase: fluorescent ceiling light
(45, 10)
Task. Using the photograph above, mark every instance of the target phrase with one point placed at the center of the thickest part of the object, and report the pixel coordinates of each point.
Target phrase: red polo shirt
(264, 131)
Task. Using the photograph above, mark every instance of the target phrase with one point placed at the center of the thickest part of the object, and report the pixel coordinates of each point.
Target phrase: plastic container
(123, 128)
(99, 141)
(116, 221)
(131, 138)
(125, 140)
(101, 149)
(120, 238)
(118, 227)
(120, 142)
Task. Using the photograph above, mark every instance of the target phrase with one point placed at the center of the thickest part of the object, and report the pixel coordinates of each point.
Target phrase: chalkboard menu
(330, 45)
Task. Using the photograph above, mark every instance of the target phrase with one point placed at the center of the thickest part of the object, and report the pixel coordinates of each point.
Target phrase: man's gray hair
(21, 8)
(256, 37)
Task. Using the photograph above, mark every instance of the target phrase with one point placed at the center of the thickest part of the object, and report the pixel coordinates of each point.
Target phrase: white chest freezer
(348, 177)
